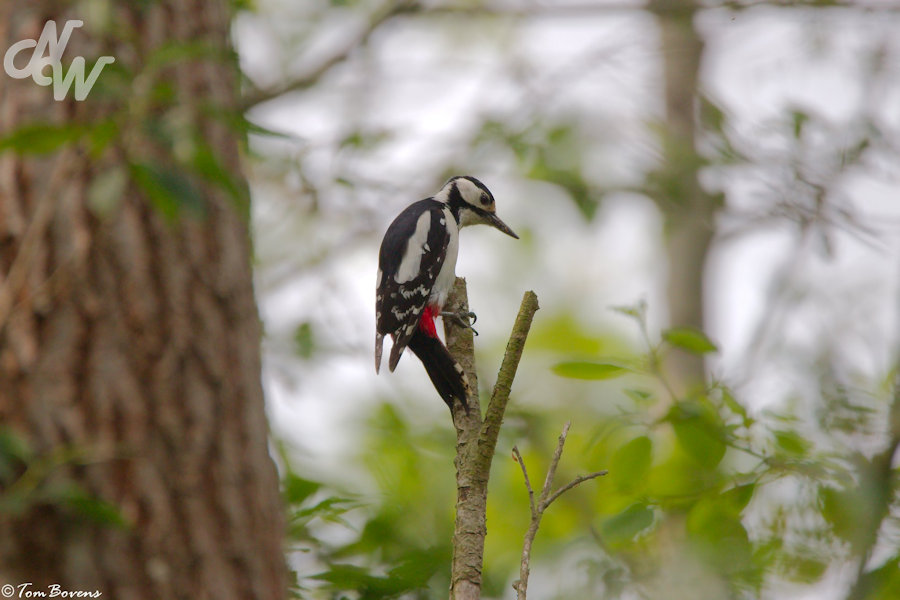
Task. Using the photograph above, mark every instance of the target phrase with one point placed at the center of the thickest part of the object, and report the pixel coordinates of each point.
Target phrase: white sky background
(431, 88)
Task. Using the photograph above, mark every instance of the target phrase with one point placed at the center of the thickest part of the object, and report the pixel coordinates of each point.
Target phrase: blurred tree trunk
(129, 343)
(688, 209)
(689, 213)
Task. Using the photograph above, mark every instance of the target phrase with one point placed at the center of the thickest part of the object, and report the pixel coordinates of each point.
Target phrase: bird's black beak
(494, 221)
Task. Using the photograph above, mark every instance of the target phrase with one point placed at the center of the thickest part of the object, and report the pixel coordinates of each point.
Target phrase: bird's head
(472, 202)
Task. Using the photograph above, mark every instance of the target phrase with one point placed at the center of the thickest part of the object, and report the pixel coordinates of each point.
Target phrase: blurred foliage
(695, 482)
(29, 479)
(712, 492)
(397, 546)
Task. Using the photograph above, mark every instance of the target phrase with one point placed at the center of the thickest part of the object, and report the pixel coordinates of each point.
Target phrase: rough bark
(470, 526)
(129, 353)
(477, 441)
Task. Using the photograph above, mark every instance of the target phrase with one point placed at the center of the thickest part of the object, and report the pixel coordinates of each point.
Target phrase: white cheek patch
(412, 257)
(468, 190)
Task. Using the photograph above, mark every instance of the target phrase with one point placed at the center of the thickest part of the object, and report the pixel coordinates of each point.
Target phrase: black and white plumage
(416, 271)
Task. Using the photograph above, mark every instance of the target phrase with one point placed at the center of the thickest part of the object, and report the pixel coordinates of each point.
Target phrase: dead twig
(537, 509)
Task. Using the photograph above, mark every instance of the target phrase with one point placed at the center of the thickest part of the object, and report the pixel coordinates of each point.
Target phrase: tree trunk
(688, 209)
(129, 342)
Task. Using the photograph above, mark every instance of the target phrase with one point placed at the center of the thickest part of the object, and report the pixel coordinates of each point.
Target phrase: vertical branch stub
(476, 443)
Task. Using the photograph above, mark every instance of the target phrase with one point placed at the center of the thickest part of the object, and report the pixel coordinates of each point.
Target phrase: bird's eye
(485, 200)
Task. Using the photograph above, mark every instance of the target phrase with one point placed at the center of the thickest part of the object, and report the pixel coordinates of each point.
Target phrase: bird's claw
(462, 319)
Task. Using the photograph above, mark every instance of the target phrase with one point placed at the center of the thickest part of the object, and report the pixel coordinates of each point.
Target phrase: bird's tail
(446, 374)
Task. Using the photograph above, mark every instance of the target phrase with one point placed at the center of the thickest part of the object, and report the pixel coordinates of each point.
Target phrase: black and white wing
(411, 256)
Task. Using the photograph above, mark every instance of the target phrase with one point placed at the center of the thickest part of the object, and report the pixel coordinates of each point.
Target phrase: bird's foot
(462, 318)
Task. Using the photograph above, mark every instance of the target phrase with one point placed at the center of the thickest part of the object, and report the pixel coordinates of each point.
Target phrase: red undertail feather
(426, 322)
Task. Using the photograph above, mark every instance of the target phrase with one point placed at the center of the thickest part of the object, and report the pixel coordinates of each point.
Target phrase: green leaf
(366, 140)
(631, 463)
(735, 406)
(41, 138)
(809, 568)
(106, 190)
(239, 123)
(564, 334)
(182, 51)
(14, 446)
(720, 536)
(14, 455)
(558, 161)
(589, 370)
(700, 431)
(90, 507)
(329, 509)
(101, 135)
(297, 489)
(849, 512)
(636, 311)
(304, 340)
(168, 190)
(351, 577)
(207, 164)
(798, 121)
(792, 443)
(626, 525)
(690, 339)
(697, 440)
(364, 583)
(884, 582)
(640, 397)
(418, 567)
(738, 497)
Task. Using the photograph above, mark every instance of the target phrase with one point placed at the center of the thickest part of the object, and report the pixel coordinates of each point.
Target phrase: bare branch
(577, 481)
(310, 78)
(537, 512)
(554, 462)
(518, 458)
(497, 406)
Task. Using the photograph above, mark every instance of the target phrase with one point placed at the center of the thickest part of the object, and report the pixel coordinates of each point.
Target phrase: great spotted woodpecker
(416, 270)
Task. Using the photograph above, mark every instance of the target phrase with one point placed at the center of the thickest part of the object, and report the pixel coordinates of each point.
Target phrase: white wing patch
(420, 291)
(447, 275)
(415, 248)
(401, 315)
